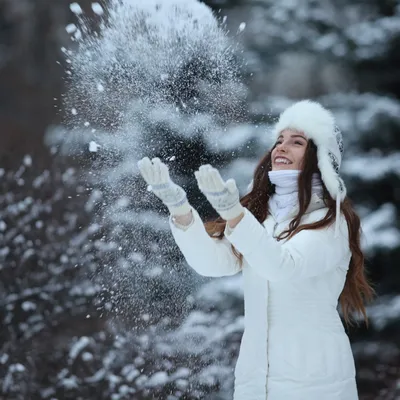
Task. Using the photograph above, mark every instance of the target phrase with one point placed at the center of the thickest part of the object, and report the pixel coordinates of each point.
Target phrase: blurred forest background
(96, 301)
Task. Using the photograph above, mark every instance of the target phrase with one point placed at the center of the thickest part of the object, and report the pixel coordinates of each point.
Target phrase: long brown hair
(357, 290)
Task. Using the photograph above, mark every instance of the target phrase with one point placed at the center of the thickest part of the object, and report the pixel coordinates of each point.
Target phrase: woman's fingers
(210, 179)
(156, 170)
(199, 179)
(164, 173)
(145, 168)
(218, 182)
(206, 179)
(230, 184)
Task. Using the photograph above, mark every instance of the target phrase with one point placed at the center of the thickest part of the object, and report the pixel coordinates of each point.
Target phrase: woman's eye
(297, 142)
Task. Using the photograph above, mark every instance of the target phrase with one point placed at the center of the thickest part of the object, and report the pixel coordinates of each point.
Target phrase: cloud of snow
(157, 75)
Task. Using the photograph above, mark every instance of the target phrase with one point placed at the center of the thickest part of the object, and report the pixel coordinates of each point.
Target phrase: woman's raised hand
(156, 174)
(223, 196)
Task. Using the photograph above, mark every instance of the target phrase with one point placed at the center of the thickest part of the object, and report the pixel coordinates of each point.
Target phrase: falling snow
(97, 9)
(76, 8)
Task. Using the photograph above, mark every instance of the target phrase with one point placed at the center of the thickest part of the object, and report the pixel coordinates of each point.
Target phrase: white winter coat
(294, 346)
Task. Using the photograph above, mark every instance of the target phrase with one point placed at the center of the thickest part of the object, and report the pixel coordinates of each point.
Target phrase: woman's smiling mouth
(282, 160)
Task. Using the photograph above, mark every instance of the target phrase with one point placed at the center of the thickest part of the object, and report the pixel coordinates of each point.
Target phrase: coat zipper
(273, 231)
(275, 225)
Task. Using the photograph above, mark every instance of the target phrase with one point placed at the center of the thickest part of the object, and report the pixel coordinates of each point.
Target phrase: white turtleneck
(285, 198)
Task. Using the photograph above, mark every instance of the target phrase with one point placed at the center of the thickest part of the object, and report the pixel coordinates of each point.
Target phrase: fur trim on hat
(309, 117)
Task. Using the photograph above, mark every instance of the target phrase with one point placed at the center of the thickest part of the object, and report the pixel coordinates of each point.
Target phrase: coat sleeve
(309, 253)
(207, 256)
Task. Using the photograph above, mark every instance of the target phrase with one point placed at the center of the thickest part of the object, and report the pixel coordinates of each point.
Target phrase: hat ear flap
(333, 182)
(339, 140)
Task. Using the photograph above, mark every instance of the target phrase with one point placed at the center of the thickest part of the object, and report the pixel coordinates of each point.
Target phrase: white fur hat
(318, 124)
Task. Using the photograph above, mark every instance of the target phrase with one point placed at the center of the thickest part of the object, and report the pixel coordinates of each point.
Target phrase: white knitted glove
(156, 174)
(223, 196)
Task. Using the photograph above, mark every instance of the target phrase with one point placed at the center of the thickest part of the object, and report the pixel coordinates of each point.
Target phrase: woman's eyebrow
(293, 136)
(300, 136)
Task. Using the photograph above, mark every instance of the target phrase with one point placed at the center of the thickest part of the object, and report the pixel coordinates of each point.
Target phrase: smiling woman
(296, 238)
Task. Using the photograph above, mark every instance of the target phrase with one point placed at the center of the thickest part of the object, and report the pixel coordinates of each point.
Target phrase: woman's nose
(281, 147)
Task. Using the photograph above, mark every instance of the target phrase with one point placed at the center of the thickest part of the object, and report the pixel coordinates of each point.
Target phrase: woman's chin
(281, 167)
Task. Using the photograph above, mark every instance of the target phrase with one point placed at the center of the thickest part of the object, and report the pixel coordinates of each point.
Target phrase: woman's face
(289, 150)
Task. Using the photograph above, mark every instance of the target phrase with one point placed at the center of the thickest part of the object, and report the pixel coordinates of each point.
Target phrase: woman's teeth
(282, 161)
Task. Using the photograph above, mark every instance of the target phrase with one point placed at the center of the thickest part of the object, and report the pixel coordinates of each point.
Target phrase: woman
(296, 238)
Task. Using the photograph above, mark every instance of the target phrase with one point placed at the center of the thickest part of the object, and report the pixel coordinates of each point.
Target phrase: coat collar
(316, 203)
